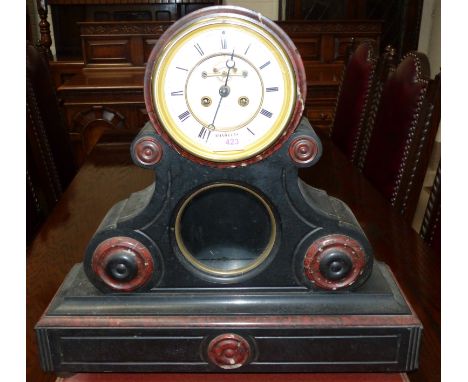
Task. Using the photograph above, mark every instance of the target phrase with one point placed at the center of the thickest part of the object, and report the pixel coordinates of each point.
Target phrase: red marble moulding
(296, 321)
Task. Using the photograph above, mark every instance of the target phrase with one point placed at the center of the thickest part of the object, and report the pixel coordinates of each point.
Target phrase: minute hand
(229, 64)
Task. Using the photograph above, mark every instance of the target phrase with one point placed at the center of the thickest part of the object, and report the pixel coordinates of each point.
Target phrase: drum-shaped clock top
(224, 88)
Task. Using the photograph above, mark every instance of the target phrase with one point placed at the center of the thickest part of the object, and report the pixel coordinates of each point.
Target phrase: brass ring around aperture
(225, 273)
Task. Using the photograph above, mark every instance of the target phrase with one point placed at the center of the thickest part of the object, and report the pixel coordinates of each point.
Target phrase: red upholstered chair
(49, 161)
(386, 65)
(430, 228)
(352, 98)
(402, 132)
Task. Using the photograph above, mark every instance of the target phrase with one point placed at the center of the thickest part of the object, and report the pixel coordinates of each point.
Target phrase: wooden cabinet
(401, 20)
(103, 100)
(67, 14)
(119, 45)
(323, 46)
(105, 106)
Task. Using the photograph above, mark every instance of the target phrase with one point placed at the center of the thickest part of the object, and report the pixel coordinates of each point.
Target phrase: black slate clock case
(220, 268)
(302, 214)
(183, 319)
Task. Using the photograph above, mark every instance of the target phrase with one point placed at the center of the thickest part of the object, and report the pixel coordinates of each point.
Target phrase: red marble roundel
(132, 250)
(229, 351)
(323, 247)
(303, 150)
(148, 151)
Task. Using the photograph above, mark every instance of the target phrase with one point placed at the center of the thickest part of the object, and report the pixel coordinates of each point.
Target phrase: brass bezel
(231, 273)
(168, 123)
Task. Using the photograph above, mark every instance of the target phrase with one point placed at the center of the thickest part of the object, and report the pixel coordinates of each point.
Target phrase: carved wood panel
(108, 51)
(401, 18)
(309, 47)
(115, 55)
(67, 14)
(342, 43)
(106, 122)
(148, 44)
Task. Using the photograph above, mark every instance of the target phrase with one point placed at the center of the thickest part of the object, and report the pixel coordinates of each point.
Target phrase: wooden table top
(109, 176)
(311, 377)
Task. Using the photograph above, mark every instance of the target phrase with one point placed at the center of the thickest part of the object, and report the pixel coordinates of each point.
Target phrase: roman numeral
(178, 67)
(274, 89)
(247, 49)
(184, 116)
(250, 131)
(266, 113)
(177, 93)
(223, 42)
(199, 49)
(202, 134)
(265, 64)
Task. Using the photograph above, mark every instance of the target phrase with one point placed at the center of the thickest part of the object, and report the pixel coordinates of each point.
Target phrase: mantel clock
(226, 89)
(228, 261)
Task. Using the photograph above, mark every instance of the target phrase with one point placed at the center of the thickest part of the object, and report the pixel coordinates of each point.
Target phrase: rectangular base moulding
(84, 330)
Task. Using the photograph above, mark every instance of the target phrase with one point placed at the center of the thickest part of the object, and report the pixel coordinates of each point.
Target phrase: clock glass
(223, 88)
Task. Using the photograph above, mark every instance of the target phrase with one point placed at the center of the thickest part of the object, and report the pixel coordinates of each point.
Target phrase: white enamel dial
(224, 90)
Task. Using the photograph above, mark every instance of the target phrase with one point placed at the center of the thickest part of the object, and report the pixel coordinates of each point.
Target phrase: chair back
(402, 132)
(49, 163)
(353, 97)
(386, 65)
(431, 224)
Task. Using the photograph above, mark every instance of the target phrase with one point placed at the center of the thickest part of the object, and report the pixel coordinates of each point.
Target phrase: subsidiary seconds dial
(223, 89)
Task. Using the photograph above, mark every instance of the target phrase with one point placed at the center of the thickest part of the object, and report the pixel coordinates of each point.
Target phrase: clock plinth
(241, 330)
(299, 293)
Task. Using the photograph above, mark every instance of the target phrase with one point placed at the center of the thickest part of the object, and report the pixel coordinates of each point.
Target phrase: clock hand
(211, 125)
(224, 74)
(229, 64)
(224, 90)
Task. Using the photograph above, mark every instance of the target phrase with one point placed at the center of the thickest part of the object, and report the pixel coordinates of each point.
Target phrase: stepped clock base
(245, 330)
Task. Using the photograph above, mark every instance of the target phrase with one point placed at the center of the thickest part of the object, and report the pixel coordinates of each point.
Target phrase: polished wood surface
(109, 176)
(111, 80)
